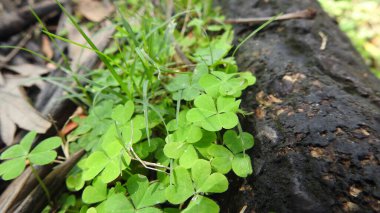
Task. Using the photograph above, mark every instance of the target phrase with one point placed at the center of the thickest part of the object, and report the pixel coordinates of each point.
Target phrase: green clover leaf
(116, 203)
(182, 187)
(185, 86)
(75, 182)
(213, 117)
(214, 52)
(108, 162)
(224, 160)
(126, 134)
(238, 143)
(44, 152)
(16, 155)
(188, 157)
(11, 169)
(95, 193)
(144, 194)
(143, 149)
(21, 149)
(184, 131)
(205, 181)
(201, 204)
(175, 149)
(221, 83)
(123, 113)
(206, 141)
(241, 165)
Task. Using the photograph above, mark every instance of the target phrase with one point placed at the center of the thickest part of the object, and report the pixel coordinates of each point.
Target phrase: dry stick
(182, 55)
(302, 14)
(187, 17)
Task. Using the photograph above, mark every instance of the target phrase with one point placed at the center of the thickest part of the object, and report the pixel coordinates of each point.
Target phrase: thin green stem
(42, 184)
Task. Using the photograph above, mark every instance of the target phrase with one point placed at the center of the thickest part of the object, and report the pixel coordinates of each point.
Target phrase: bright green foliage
(201, 204)
(237, 143)
(123, 113)
(143, 149)
(108, 163)
(95, 193)
(17, 155)
(205, 181)
(91, 128)
(156, 140)
(186, 86)
(182, 187)
(215, 51)
(241, 165)
(221, 83)
(214, 117)
(223, 159)
(75, 182)
(115, 204)
(183, 129)
(144, 194)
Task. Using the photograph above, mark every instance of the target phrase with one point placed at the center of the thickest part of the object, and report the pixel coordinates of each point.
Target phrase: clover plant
(162, 134)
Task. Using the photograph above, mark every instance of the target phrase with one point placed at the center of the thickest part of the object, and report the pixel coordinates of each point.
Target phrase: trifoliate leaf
(143, 149)
(185, 86)
(174, 149)
(227, 104)
(145, 195)
(116, 203)
(221, 83)
(184, 130)
(200, 170)
(123, 113)
(241, 165)
(188, 157)
(182, 187)
(237, 143)
(108, 164)
(222, 158)
(209, 117)
(95, 193)
(214, 52)
(94, 164)
(202, 146)
(44, 152)
(215, 183)
(201, 204)
(21, 149)
(205, 181)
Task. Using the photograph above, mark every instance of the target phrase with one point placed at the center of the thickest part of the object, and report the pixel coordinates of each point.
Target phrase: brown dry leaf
(16, 110)
(46, 47)
(94, 10)
(29, 70)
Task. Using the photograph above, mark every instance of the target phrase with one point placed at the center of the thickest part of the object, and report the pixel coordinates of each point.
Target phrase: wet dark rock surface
(317, 116)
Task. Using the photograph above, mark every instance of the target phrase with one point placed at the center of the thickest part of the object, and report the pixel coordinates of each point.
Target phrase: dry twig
(302, 14)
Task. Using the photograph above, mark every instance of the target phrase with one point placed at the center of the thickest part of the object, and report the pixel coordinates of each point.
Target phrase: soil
(316, 116)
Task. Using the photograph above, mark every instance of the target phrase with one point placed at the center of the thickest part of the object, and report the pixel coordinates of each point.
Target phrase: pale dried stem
(302, 14)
